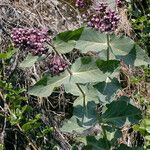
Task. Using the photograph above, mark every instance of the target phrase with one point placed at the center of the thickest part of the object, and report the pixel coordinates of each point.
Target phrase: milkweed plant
(93, 79)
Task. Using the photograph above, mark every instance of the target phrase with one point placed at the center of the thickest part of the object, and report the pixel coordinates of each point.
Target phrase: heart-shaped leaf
(45, 86)
(107, 89)
(120, 113)
(85, 107)
(113, 134)
(91, 94)
(83, 118)
(65, 42)
(121, 47)
(110, 68)
(86, 115)
(91, 40)
(84, 70)
(135, 57)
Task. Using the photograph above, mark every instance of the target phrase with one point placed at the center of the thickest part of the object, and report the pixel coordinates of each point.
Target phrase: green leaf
(120, 113)
(144, 127)
(8, 54)
(45, 86)
(13, 119)
(32, 124)
(121, 45)
(147, 137)
(29, 61)
(91, 94)
(126, 49)
(110, 68)
(84, 70)
(72, 89)
(94, 144)
(74, 147)
(1, 147)
(136, 57)
(91, 40)
(64, 47)
(86, 115)
(83, 118)
(27, 127)
(71, 125)
(107, 89)
(65, 42)
(103, 55)
(113, 135)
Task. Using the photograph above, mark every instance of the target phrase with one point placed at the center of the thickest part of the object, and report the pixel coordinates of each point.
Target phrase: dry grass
(124, 23)
(37, 13)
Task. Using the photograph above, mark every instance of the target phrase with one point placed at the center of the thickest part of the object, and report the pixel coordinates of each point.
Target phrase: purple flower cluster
(79, 3)
(106, 23)
(30, 39)
(100, 7)
(120, 3)
(103, 19)
(57, 64)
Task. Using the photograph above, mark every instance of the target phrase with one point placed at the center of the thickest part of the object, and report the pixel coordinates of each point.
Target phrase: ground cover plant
(82, 88)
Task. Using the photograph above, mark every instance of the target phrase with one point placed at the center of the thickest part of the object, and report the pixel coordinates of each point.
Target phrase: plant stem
(108, 47)
(53, 48)
(105, 138)
(69, 71)
(80, 89)
(83, 94)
